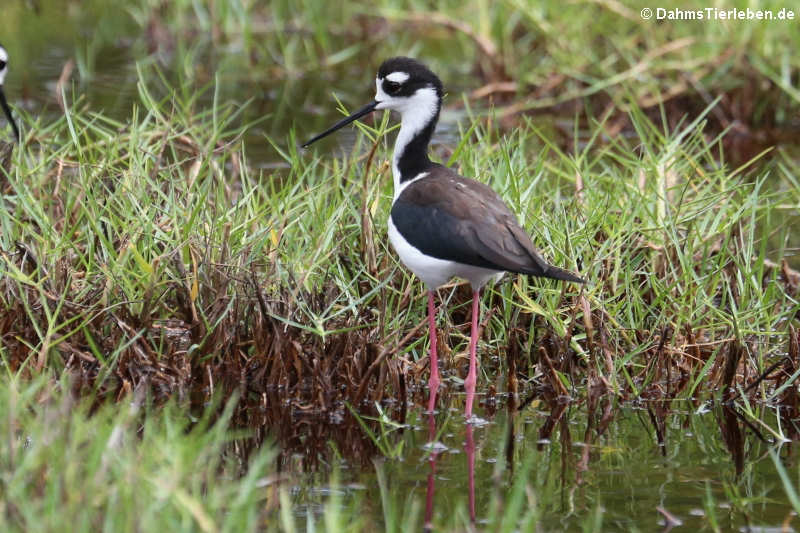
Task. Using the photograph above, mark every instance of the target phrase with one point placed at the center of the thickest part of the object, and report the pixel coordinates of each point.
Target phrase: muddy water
(612, 463)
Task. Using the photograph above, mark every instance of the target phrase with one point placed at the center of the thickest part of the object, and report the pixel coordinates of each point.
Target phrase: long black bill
(7, 110)
(369, 108)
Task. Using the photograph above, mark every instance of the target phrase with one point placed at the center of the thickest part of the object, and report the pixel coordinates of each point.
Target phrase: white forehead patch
(4, 70)
(398, 77)
(380, 96)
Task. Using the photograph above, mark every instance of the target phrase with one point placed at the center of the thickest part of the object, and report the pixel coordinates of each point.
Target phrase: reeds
(149, 255)
(146, 257)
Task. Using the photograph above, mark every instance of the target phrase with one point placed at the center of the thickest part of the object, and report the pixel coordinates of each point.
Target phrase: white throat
(416, 112)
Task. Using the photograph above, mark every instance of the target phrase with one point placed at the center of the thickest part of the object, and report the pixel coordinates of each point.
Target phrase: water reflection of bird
(469, 449)
(434, 449)
(443, 225)
(3, 102)
(434, 454)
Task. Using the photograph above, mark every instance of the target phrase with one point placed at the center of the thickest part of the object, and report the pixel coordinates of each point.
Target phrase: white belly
(436, 272)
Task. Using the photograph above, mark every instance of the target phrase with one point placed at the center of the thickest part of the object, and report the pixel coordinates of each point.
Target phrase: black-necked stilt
(443, 225)
(3, 102)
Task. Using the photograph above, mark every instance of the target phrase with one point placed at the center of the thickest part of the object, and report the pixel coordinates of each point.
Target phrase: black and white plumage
(3, 102)
(443, 225)
(463, 222)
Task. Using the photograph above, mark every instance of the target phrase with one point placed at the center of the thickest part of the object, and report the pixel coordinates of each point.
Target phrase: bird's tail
(560, 274)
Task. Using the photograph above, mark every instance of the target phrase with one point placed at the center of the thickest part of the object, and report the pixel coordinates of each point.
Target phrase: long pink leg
(431, 475)
(469, 447)
(433, 383)
(472, 377)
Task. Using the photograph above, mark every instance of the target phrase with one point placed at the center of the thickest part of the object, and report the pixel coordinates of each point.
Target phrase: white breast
(436, 272)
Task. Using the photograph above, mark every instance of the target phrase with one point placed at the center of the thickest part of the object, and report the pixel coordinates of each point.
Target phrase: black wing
(453, 218)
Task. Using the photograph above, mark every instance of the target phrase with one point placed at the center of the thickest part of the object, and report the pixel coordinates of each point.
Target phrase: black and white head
(404, 85)
(3, 102)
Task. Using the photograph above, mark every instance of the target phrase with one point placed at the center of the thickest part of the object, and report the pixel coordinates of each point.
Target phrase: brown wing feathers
(490, 235)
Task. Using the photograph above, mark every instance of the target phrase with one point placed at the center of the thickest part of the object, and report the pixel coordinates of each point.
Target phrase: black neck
(414, 157)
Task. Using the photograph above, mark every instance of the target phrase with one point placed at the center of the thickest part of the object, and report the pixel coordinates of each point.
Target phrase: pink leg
(431, 475)
(472, 377)
(433, 383)
(470, 449)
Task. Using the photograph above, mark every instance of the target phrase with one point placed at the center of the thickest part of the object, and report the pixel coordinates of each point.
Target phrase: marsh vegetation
(203, 327)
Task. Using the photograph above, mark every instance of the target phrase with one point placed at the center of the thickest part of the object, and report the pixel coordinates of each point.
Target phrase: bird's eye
(391, 86)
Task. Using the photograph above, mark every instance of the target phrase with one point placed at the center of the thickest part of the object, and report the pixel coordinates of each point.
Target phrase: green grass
(153, 244)
(162, 219)
(148, 256)
(126, 467)
(551, 54)
(133, 467)
(143, 253)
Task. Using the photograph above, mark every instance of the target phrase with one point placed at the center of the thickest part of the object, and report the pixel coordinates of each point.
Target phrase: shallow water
(621, 474)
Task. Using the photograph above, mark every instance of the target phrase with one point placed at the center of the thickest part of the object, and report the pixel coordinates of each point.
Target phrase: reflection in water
(432, 473)
(591, 458)
(732, 436)
(511, 435)
(596, 425)
(469, 447)
(435, 448)
(574, 456)
(546, 431)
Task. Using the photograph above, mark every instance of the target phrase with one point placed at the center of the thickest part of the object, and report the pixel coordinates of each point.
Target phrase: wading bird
(3, 102)
(443, 225)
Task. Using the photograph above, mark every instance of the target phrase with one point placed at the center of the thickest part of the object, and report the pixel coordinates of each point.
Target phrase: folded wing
(453, 218)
